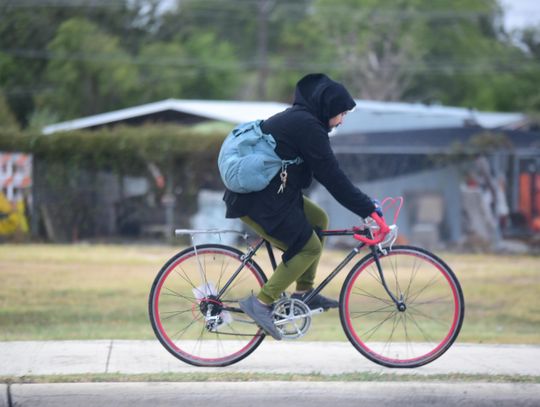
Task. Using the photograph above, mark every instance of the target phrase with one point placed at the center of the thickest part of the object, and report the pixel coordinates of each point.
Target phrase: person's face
(336, 120)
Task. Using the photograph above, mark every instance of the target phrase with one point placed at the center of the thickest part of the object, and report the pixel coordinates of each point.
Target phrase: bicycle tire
(182, 295)
(422, 332)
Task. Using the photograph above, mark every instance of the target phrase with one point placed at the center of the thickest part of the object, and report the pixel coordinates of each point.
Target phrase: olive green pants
(300, 268)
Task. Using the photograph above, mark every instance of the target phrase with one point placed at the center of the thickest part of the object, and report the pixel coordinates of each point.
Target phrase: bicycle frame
(376, 249)
(352, 254)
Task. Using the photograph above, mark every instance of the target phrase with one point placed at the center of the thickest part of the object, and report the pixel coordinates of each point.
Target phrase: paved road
(132, 357)
(270, 394)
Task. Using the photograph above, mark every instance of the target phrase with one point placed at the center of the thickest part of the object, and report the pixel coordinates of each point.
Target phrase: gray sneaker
(261, 314)
(318, 301)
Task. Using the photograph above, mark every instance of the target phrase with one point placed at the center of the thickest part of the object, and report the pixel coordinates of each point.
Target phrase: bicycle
(400, 306)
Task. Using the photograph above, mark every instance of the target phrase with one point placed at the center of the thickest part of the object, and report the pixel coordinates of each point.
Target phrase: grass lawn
(253, 377)
(100, 292)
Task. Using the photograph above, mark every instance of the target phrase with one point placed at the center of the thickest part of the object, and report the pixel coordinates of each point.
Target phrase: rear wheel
(407, 336)
(188, 316)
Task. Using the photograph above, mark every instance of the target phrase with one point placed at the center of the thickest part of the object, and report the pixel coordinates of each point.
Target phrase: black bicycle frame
(352, 254)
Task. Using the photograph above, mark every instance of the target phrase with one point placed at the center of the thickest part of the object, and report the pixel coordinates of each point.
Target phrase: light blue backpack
(247, 160)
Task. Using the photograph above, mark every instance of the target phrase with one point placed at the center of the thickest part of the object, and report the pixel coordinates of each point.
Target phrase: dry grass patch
(98, 292)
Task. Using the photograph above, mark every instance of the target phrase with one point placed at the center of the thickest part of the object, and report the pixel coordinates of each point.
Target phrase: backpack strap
(241, 129)
(296, 161)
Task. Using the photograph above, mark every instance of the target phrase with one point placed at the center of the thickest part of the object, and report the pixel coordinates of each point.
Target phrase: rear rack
(180, 232)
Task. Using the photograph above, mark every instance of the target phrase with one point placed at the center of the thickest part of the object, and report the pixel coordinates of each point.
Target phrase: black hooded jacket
(302, 131)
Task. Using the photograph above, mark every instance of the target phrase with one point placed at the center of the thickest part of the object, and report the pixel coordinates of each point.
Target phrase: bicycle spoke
(384, 309)
(396, 281)
(374, 273)
(413, 274)
(443, 300)
(181, 332)
(221, 274)
(220, 348)
(176, 294)
(428, 317)
(391, 335)
(364, 293)
(173, 314)
(198, 343)
(427, 337)
(408, 341)
(430, 284)
(376, 327)
(186, 279)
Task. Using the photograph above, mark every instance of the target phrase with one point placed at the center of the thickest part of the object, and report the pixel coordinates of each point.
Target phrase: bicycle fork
(400, 304)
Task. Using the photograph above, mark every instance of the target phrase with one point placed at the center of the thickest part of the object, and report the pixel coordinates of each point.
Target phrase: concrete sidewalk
(131, 357)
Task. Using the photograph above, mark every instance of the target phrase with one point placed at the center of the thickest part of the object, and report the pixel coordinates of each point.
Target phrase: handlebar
(368, 241)
(386, 239)
(378, 229)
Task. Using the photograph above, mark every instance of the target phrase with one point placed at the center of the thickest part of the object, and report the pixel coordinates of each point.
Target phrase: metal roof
(220, 110)
(367, 117)
(427, 141)
(372, 116)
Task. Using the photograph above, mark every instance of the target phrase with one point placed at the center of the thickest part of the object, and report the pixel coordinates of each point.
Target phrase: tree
(201, 66)
(212, 69)
(530, 97)
(469, 61)
(25, 33)
(230, 21)
(375, 43)
(129, 51)
(8, 122)
(89, 71)
(163, 73)
(297, 47)
(254, 30)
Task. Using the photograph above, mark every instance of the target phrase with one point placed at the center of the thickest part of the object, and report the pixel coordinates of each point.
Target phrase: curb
(268, 394)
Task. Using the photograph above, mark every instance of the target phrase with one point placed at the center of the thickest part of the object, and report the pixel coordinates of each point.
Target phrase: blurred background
(112, 112)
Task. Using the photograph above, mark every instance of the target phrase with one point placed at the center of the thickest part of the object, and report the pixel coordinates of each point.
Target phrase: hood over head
(323, 97)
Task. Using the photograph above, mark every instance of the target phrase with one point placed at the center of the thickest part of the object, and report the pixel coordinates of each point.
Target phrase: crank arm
(316, 311)
(288, 319)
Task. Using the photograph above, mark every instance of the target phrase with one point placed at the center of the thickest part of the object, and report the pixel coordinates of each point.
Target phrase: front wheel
(190, 317)
(407, 336)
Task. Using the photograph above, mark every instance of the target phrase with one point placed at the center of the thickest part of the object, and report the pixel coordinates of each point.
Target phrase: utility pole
(263, 15)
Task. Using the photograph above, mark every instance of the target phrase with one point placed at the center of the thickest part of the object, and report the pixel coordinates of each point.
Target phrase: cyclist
(281, 213)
